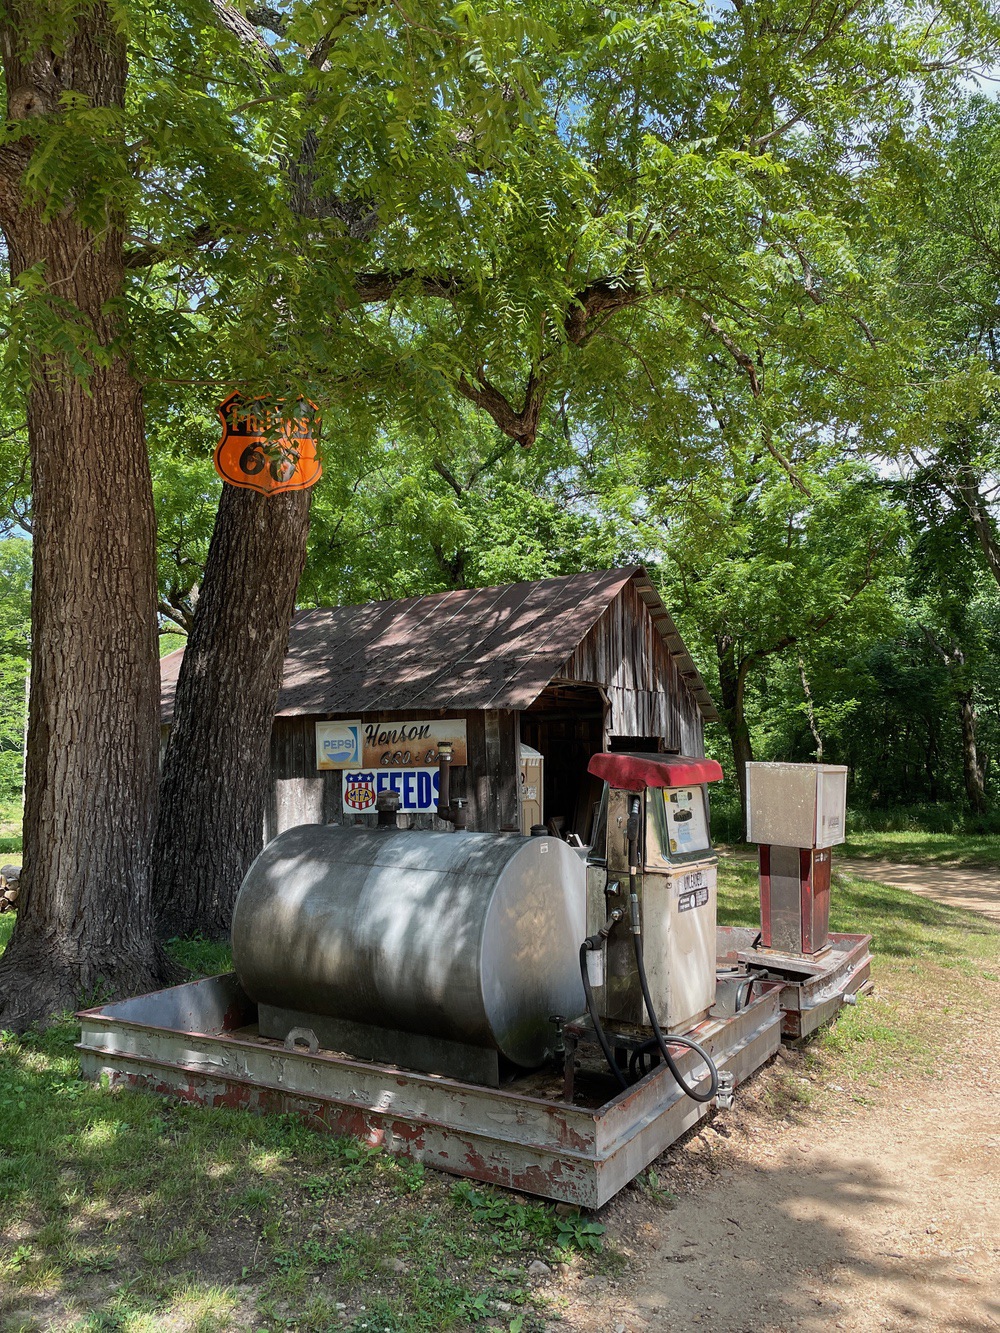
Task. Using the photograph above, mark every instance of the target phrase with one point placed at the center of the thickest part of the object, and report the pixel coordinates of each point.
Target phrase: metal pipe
(444, 809)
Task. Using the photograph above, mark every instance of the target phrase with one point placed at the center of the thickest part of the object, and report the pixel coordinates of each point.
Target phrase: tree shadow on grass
(905, 925)
(123, 1210)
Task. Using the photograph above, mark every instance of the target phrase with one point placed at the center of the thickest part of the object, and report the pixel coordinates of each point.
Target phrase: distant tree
(944, 582)
(186, 495)
(941, 216)
(422, 515)
(756, 572)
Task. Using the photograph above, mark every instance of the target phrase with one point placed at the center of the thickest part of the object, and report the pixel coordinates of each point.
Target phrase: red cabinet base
(794, 898)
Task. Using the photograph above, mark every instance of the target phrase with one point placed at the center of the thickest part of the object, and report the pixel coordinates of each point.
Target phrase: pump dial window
(686, 822)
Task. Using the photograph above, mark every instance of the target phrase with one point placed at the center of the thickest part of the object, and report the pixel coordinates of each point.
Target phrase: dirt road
(859, 1218)
(975, 889)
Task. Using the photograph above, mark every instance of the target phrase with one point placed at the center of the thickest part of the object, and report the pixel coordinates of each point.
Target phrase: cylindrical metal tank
(470, 937)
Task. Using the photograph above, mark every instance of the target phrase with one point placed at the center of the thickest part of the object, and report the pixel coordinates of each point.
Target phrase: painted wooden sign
(356, 744)
(417, 789)
(263, 452)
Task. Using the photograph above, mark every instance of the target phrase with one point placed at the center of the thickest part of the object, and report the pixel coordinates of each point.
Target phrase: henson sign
(263, 451)
(357, 744)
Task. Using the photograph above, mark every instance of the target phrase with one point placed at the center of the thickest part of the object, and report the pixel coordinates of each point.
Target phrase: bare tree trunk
(975, 789)
(983, 524)
(954, 659)
(811, 713)
(84, 923)
(213, 786)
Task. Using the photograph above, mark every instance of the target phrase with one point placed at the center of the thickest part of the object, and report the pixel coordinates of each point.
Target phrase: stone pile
(10, 882)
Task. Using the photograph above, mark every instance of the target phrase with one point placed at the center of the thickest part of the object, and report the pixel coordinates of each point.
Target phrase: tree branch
(247, 34)
(749, 368)
(273, 20)
(742, 359)
(602, 297)
(444, 471)
(520, 426)
(374, 287)
(148, 255)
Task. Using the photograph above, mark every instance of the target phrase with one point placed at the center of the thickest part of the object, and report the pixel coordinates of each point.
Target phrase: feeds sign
(263, 451)
(417, 789)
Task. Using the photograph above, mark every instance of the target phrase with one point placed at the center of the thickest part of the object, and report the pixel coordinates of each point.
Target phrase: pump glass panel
(676, 825)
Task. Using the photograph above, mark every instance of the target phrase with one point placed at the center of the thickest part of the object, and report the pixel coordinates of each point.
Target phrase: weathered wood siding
(300, 793)
(625, 654)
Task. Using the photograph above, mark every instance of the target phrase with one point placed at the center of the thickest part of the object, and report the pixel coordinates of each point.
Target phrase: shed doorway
(566, 724)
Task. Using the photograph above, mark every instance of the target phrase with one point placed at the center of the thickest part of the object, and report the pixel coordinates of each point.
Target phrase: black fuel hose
(713, 1073)
(637, 1061)
(592, 1010)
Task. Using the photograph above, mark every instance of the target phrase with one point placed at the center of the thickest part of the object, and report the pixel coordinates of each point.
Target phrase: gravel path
(874, 1209)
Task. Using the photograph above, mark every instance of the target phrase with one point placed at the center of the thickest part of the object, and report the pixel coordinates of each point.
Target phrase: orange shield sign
(263, 452)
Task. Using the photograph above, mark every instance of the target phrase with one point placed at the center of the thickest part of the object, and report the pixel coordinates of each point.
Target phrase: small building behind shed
(558, 668)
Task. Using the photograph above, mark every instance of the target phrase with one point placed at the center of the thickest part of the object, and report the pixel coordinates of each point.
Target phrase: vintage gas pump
(795, 813)
(651, 901)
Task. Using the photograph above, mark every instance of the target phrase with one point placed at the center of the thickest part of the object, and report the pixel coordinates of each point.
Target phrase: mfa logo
(359, 791)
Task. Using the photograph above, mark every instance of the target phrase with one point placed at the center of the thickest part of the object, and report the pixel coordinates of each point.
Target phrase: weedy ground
(122, 1211)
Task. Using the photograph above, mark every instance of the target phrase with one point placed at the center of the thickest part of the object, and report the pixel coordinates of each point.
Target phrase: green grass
(10, 847)
(126, 1211)
(913, 847)
(170, 641)
(207, 958)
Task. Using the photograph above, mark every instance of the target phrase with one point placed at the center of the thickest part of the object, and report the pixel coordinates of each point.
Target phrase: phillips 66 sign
(262, 450)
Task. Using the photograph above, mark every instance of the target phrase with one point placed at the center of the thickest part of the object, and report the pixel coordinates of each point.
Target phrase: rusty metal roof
(470, 649)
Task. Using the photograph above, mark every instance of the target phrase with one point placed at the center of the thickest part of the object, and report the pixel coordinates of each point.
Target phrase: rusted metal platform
(814, 988)
(199, 1042)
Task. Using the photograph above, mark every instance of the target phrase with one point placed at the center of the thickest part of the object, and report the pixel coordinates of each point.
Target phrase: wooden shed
(564, 667)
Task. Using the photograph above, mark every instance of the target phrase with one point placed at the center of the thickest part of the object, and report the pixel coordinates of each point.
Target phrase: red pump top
(636, 772)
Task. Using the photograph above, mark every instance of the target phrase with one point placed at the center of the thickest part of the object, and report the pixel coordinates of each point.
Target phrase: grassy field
(915, 848)
(122, 1211)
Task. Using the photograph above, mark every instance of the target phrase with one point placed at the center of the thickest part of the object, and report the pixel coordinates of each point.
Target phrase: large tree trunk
(213, 786)
(84, 925)
(975, 788)
(732, 688)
